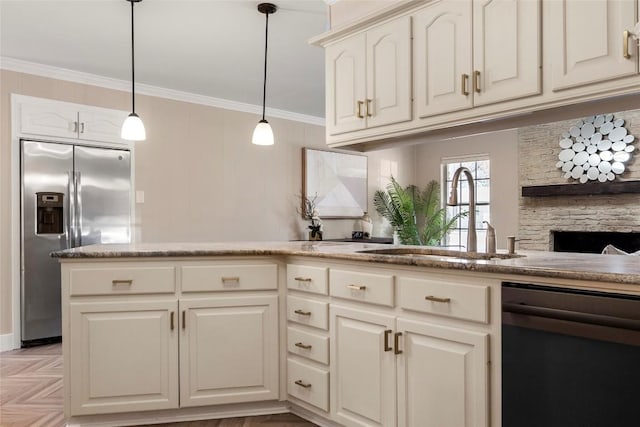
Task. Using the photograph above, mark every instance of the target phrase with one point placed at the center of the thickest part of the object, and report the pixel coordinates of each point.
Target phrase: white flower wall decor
(595, 148)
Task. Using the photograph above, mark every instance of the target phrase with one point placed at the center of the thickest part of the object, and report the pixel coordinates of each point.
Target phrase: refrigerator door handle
(78, 210)
(70, 226)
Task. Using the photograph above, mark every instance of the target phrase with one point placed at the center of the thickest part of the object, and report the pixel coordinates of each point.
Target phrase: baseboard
(312, 417)
(179, 415)
(6, 342)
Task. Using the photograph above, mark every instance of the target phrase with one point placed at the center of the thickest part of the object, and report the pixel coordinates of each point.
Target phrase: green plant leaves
(415, 214)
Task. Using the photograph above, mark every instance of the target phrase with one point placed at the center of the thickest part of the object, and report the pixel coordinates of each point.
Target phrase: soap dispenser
(491, 238)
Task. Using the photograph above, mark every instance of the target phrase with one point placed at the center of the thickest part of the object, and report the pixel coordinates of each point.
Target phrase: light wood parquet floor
(31, 394)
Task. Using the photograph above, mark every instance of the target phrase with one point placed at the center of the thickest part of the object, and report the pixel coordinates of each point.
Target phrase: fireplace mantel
(587, 189)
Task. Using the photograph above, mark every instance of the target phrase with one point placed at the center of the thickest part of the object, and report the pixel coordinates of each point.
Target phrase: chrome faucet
(472, 245)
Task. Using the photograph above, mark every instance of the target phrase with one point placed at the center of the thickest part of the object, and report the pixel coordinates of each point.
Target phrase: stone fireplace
(539, 217)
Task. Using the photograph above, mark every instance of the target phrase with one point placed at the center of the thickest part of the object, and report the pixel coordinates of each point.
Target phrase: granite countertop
(603, 268)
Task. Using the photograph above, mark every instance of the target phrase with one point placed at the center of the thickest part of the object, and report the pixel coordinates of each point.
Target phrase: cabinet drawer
(305, 344)
(307, 279)
(308, 384)
(308, 312)
(365, 287)
(229, 277)
(451, 299)
(122, 280)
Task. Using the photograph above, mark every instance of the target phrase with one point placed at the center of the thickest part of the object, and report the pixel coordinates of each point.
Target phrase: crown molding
(20, 66)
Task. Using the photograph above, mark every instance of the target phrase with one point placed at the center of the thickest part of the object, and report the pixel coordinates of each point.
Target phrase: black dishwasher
(570, 357)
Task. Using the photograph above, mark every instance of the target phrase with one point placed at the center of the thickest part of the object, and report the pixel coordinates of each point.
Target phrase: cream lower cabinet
(124, 356)
(363, 368)
(228, 350)
(392, 371)
(442, 376)
(143, 336)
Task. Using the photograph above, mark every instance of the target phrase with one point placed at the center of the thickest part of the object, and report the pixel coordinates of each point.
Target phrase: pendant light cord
(133, 66)
(264, 85)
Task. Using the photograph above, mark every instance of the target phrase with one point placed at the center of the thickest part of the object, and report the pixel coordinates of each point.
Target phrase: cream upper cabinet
(125, 356)
(362, 368)
(506, 50)
(590, 44)
(443, 57)
(456, 69)
(442, 376)
(369, 78)
(47, 117)
(228, 350)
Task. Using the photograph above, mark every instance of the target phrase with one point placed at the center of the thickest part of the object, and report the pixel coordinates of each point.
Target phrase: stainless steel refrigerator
(72, 196)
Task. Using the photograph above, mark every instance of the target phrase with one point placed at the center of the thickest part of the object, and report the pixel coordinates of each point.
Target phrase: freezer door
(46, 168)
(103, 186)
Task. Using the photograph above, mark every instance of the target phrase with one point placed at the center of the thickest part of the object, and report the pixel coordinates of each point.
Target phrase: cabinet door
(125, 356)
(346, 85)
(586, 38)
(228, 350)
(442, 376)
(506, 46)
(100, 124)
(362, 372)
(48, 118)
(389, 73)
(442, 57)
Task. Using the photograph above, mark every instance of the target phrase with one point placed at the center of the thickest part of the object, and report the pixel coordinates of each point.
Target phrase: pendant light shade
(133, 128)
(263, 135)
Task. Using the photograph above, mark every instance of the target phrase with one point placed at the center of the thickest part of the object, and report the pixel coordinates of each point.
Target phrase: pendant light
(133, 128)
(263, 135)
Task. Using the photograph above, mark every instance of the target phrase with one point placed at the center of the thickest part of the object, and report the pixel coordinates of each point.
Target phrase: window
(479, 167)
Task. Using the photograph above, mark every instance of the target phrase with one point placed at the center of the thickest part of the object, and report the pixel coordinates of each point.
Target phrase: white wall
(502, 148)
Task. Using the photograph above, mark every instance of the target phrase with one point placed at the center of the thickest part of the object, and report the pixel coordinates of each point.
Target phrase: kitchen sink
(439, 253)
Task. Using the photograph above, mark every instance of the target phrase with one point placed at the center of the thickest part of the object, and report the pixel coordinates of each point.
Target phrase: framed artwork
(338, 181)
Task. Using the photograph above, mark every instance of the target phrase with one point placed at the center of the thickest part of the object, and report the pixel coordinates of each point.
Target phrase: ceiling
(212, 48)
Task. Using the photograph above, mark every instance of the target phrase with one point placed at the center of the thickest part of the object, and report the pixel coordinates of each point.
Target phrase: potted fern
(415, 214)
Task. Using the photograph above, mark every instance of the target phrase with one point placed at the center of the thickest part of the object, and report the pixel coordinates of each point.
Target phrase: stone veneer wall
(538, 151)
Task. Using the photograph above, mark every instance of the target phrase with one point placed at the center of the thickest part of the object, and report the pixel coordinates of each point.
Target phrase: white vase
(396, 238)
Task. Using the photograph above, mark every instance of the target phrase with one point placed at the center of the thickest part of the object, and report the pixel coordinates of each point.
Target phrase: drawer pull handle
(122, 282)
(357, 287)
(172, 323)
(301, 384)
(387, 347)
(369, 108)
(436, 299)
(396, 343)
(476, 81)
(301, 345)
(625, 44)
(465, 84)
(359, 113)
(231, 279)
(184, 319)
(302, 313)
(302, 279)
